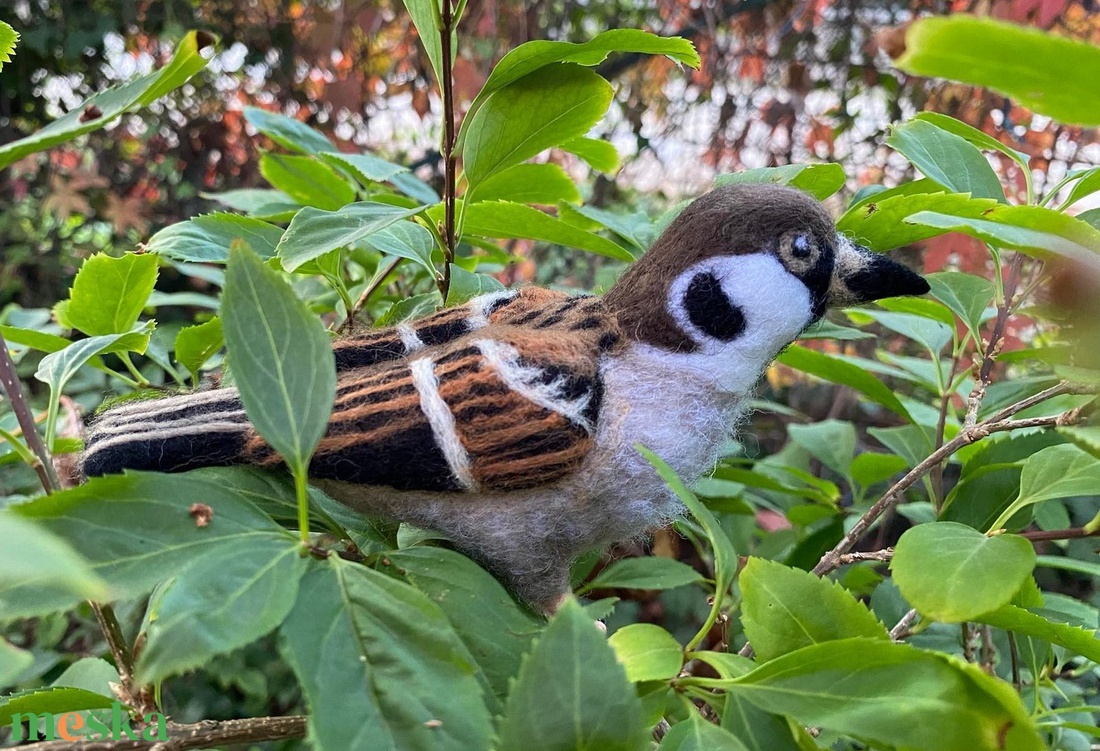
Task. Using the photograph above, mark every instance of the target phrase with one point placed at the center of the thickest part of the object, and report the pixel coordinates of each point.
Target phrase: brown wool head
(749, 218)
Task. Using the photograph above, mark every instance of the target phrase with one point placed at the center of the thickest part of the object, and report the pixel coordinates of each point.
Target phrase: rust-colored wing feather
(503, 394)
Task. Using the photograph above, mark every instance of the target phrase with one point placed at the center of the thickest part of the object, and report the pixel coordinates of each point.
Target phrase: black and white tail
(206, 429)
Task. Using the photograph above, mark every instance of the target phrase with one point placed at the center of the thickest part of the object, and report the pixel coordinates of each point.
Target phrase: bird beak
(860, 275)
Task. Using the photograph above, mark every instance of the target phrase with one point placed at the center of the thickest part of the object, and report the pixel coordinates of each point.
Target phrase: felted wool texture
(170, 434)
(776, 308)
(729, 221)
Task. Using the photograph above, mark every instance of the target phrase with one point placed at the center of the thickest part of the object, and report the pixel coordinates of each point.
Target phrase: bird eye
(799, 251)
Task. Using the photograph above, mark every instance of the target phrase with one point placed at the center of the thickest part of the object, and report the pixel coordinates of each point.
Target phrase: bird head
(752, 262)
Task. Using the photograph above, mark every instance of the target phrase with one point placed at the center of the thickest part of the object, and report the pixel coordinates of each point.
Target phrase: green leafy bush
(397, 642)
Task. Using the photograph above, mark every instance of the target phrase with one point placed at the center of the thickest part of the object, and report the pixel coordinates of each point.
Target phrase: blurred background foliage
(780, 82)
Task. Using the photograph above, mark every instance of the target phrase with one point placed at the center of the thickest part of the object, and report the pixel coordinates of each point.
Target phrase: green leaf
(835, 370)
(13, 661)
(53, 700)
(1060, 471)
(1031, 229)
(819, 180)
(261, 203)
(948, 159)
(406, 240)
(977, 137)
(757, 729)
(516, 221)
(32, 556)
(207, 238)
(367, 646)
(307, 180)
(725, 556)
(9, 38)
(571, 693)
(601, 156)
(1087, 182)
(57, 368)
(90, 674)
(1089, 568)
(221, 602)
(197, 344)
(109, 294)
(878, 223)
(869, 468)
(884, 694)
(426, 18)
(931, 333)
(286, 131)
(545, 184)
(532, 56)
(466, 285)
(367, 168)
(543, 109)
(1078, 640)
(313, 232)
(157, 540)
(495, 629)
(636, 228)
(953, 573)
(39, 340)
(648, 652)
(282, 358)
(967, 295)
(1091, 218)
(981, 496)
(646, 572)
(696, 734)
(106, 106)
(985, 52)
(1086, 437)
(831, 441)
(785, 609)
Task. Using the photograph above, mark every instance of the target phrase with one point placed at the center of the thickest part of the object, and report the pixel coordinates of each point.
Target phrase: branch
(875, 555)
(901, 629)
(378, 281)
(9, 381)
(206, 734)
(995, 424)
(450, 158)
(1038, 535)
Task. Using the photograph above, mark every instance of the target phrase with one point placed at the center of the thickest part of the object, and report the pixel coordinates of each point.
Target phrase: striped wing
(503, 394)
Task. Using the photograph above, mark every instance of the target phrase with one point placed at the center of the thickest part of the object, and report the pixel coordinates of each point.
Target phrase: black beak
(861, 276)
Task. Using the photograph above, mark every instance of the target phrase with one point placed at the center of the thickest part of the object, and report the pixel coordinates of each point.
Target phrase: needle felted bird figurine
(510, 424)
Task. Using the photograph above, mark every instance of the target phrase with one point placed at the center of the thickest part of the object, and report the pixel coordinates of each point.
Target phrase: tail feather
(168, 435)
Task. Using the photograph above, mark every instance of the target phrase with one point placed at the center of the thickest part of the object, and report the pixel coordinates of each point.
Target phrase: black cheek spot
(710, 311)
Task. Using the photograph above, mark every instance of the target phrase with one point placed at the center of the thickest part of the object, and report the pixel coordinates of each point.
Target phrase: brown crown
(731, 220)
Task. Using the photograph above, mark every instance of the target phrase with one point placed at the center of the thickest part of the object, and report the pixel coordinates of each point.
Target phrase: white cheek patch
(776, 306)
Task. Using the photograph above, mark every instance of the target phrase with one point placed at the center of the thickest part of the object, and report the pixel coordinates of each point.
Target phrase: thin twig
(138, 697)
(988, 652)
(901, 628)
(995, 424)
(378, 281)
(1037, 535)
(1014, 656)
(206, 734)
(875, 555)
(941, 426)
(450, 158)
(9, 381)
(47, 475)
(984, 375)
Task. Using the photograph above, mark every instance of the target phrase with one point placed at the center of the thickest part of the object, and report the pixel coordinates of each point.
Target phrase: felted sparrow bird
(509, 424)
